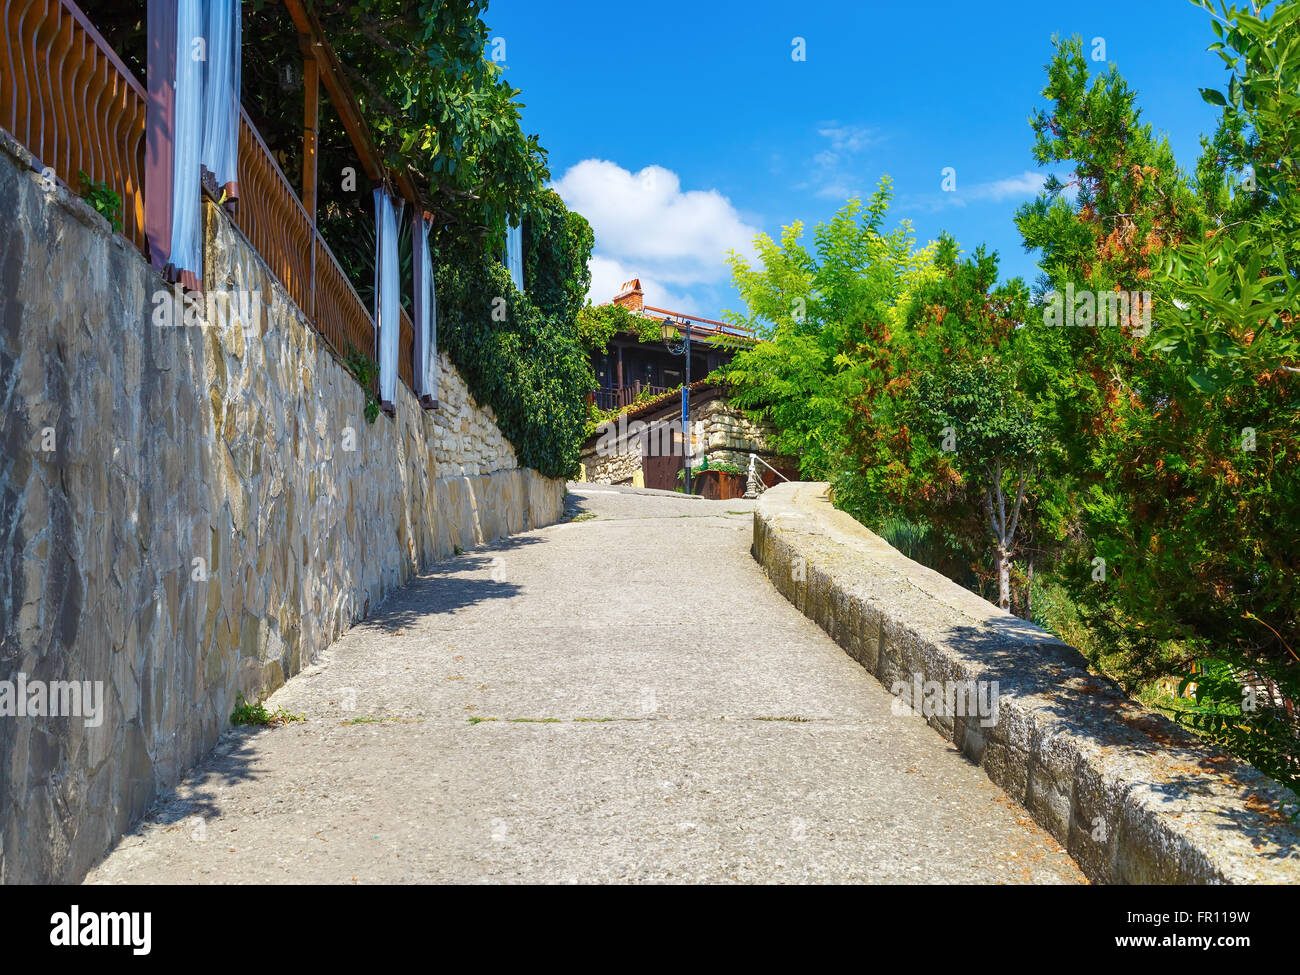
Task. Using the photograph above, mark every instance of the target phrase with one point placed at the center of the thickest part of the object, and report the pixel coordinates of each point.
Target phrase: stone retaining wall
(1132, 797)
(619, 467)
(730, 437)
(467, 440)
(722, 432)
(190, 512)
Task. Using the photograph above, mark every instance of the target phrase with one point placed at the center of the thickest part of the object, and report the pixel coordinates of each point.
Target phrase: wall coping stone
(1133, 797)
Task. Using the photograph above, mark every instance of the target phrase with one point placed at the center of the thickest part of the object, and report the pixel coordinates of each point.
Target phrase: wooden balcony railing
(341, 316)
(406, 351)
(272, 217)
(71, 101)
(617, 397)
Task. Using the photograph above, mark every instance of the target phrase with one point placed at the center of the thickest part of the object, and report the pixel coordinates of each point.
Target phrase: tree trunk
(1029, 590)
(1004, 578)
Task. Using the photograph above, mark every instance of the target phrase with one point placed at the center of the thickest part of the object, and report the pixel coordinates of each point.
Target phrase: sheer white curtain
(426, 315)
(515, 255)
(388, 314)
(186, 247)
(221, 78)
(205, 133)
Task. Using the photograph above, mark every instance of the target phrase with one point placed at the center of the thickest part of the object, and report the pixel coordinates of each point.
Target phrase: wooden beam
(340, 94)
(160, 127)
(345, 102)
(310, 121)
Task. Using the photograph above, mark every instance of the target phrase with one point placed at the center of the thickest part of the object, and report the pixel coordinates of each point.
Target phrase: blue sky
(680, 129)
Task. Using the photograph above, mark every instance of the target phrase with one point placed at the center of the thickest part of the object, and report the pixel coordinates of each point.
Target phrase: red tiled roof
(699, 324)
(717, 328)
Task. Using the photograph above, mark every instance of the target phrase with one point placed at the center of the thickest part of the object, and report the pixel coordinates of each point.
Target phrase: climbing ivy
(557, 246)
(366, 372)
(525, 364)
(597, 324)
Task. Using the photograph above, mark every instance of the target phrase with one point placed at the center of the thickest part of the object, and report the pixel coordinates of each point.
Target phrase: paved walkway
(622, 697)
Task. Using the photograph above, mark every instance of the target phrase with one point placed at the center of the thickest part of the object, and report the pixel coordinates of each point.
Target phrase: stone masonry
(1134, 798)
(620, 467)
(190, 512)
(468, 440)
(730, 437)
(722, 432)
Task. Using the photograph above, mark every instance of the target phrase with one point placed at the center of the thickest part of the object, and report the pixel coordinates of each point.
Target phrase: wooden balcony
(617, 397)
(68, 97)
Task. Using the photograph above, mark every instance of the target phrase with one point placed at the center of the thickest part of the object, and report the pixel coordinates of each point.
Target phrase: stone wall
(721, 431)
(622, 466)
(1132, 797)
(730, 437)
(190, 512)
(467, 439)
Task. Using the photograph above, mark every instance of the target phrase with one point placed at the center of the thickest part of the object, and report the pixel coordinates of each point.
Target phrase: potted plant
(718, 482)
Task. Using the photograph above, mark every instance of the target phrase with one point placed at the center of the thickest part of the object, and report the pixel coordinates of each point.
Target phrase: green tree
(1240, 281)
(436, 102)
(1232, 353)
(948, 430)
(817, 311)
(1181, 445)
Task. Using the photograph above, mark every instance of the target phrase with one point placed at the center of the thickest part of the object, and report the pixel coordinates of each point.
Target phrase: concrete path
(622, 697)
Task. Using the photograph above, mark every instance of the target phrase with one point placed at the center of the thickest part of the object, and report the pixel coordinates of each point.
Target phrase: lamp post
(681, 345)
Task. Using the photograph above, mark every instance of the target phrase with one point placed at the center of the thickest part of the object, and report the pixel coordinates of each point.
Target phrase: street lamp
(677, 340)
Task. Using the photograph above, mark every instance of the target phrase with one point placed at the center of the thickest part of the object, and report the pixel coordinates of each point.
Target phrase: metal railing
(755, 457)
(704, 327)
(70, 100)
(754, 485)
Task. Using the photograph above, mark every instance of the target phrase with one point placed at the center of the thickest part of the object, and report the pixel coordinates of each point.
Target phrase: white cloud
(608, 276)
(833, 174)
(1019, 187)
(647, 226)
(847, 138)
(835, 189)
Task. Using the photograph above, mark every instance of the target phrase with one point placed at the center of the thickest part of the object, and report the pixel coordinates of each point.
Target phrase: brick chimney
(631, 297)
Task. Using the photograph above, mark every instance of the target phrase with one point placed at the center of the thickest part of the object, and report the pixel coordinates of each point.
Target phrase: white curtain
(515, 255)
(221, 94)
(426, 316)
(388, 314)
(186, 249)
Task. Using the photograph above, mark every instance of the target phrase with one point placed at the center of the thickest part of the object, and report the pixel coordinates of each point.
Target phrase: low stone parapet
(1133, 797)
